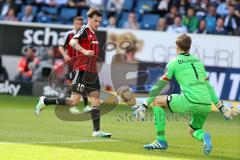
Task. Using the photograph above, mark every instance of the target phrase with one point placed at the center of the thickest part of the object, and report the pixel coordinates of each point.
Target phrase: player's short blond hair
(78, 18)
(184, 42)
(93, 11)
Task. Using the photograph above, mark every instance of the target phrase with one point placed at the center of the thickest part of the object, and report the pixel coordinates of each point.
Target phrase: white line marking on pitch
(62, 142)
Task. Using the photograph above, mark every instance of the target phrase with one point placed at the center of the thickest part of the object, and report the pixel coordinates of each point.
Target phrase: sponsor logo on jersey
(180, 61)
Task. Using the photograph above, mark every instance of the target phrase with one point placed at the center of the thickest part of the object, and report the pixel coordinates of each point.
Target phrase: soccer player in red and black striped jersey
(86, 80)
(68, 52)
(65, 49)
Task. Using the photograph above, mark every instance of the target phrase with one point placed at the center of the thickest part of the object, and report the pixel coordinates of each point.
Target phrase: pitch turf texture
(25, 136)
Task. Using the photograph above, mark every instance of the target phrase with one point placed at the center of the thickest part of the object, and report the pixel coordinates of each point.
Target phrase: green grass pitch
(25, 136)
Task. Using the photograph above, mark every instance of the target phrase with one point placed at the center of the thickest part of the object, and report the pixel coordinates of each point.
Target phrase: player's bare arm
(64, 53)
(75, 45)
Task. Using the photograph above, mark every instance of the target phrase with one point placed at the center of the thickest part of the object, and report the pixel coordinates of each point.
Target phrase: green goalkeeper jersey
(190, 73)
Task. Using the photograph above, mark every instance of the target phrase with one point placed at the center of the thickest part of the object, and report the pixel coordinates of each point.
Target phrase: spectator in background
(183, 5)
(55, 3)
(39, 2)
(205, 5)
(115, 5)
(202, 27)
(162, 24)
(211, 19)
(3, 71)
(190, 20)
(232, 22)
(98, 4)
(28, 14)
(237, 10)
(163, 6)
(177, 27)
(19, 2)
(112, 22)
(171, 15)
(199, 11)
(5, 7)
(132, 22)
(222, 8)
(11, 15)
(76, 3)
(220, 27)
(26, 65)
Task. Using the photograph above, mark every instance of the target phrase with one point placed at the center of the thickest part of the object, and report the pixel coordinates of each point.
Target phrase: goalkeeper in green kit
(195, 99)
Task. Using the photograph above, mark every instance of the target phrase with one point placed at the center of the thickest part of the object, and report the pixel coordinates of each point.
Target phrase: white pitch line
(62, 142)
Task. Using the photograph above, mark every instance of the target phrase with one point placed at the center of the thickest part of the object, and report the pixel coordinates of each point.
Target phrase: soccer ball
(126, 95)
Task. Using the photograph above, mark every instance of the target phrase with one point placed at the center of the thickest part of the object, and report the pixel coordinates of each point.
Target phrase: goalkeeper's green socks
(160, 122)
(198, 134)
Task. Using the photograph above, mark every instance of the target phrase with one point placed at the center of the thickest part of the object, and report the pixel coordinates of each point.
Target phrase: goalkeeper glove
(226, 111)
(139, 111)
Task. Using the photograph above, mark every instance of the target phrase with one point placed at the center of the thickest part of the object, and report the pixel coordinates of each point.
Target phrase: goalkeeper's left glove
(139, 111)
(226, 111)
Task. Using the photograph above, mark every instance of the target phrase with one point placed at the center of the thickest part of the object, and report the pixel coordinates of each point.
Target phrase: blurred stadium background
(150, 27)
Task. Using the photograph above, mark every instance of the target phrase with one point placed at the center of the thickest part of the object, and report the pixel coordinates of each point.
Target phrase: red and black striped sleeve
(81, 34)
(64, 42)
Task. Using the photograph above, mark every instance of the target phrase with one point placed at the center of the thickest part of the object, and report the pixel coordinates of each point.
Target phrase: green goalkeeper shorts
(178, 103)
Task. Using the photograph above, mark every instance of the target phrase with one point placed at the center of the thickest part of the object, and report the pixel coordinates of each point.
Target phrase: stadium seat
(67, 14)
(149, 21)
(128, 5)
(41, 18)
(145, 5)
(122, 19)
(104, 19)
(49, 10)
(84, 15)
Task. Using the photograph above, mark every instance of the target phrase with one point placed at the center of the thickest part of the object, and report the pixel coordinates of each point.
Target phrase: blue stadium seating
(67, 14)
(84, 15)
(41, 18)
(149, 21)
(145, 5)
(128, 5)
(104, 19)
(49, 10)
(122, 19)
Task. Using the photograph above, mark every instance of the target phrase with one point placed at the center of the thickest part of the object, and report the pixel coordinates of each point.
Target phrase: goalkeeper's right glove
(139, 111)
(226, 111)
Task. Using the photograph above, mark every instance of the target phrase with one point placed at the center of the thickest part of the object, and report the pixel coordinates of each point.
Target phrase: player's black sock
(50, 101)
(95, 113)
(85, 100)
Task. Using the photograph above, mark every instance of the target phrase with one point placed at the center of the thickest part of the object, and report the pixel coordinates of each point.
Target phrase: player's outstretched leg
(200, 135)
(40, 105)
(44, 101)
(159, 118)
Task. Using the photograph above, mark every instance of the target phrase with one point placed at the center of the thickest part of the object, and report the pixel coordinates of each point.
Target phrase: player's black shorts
(85, 82)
